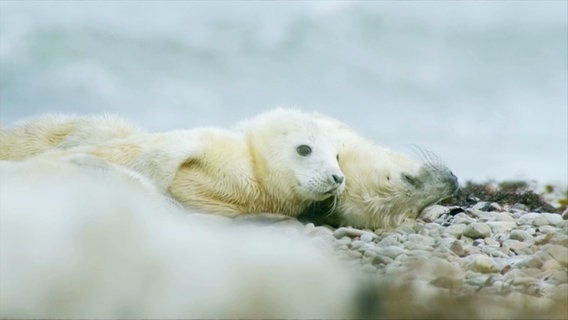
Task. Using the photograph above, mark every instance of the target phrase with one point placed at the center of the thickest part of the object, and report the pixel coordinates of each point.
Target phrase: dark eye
(304, 150)
(337, 157)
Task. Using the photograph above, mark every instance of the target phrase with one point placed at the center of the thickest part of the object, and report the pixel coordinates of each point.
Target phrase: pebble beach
(481, 261)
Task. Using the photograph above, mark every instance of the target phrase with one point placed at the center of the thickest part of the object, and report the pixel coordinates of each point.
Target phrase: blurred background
(482, 84)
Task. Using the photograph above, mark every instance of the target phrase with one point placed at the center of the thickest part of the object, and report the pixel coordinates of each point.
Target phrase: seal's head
(383, 187)
(293, 157)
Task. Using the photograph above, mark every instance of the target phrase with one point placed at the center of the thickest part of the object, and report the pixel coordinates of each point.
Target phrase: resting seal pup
(277, 162)
(383, 187)
(38, 135)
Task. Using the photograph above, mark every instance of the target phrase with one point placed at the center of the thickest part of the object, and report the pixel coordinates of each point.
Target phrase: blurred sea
(482, 84)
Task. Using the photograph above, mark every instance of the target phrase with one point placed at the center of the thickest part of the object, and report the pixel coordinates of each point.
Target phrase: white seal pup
(383, 187)
(278, 162)
(35, 136)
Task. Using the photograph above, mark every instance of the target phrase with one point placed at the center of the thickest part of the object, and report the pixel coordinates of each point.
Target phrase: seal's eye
(337, 157)
(304, 150)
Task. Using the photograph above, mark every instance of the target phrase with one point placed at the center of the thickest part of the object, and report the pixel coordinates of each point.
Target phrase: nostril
(338, 179)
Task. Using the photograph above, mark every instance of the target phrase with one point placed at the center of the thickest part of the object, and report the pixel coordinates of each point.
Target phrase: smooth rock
(520, 235)
(482, 206)
(344, 241)
(462, 218)
(483, 264)
(454, 230)
(393, 239)
(477, 230)
(550, 264)
(558, 253)
(354, 254)
(427, 241)
(368, 236)
(553, 218)
(391, 251)
(502, 226)
(347, 232)
(382, 260)
(491, 242)
(356, 244)
(433, 212)
(528, 218)
(457, 248)
(548, 229)
(540, 221)
(503, 216)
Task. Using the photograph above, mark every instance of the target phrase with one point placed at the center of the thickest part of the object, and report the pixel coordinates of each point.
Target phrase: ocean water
(481, 84)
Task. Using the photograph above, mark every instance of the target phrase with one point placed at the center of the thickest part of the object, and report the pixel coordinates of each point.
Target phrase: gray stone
(482, 206)
(428, 241)
(540, 221)
(356, 244)
(433, 212)
(378, 260)
(502, 226)
(344, 241)
(482, 264)
(454, 230)
(393, 239)
(477, 230)
(558, 253)
(368, 236)
(528, 218)
(354, 254)
(503, 216)
(553, 218)
(391, 251)
(491, 242)
(347, 231)
(520, 235)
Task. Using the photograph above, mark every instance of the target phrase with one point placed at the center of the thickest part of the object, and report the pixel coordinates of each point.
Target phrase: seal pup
(56, 131)
(383, 187)
(277, 162)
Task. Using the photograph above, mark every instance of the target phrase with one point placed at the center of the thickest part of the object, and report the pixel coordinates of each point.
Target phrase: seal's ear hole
(304, 150)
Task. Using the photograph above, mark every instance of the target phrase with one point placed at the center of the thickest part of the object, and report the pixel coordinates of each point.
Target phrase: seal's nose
(337, 178)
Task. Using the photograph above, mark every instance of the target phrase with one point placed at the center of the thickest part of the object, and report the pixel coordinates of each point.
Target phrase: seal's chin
(327, 193)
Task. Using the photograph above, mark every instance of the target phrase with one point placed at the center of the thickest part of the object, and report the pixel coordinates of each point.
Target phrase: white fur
(35, 136)
(383, 187)
(79, 240)
(253, 168)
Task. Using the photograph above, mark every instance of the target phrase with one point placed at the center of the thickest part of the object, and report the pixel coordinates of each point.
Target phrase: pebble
(540, 221)
(390, 251)
(489, 249)
(457, 248)
(553, 219)
(501, 226)
(503, 216)
(483, 264)
(432, 213)
(520, 235)
(368, 236)
(558, 253)
(347, 232)
(477, 230)
(455, 230)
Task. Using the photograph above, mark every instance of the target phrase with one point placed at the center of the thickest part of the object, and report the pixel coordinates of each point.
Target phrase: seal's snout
(453, 181)
(338, 179)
